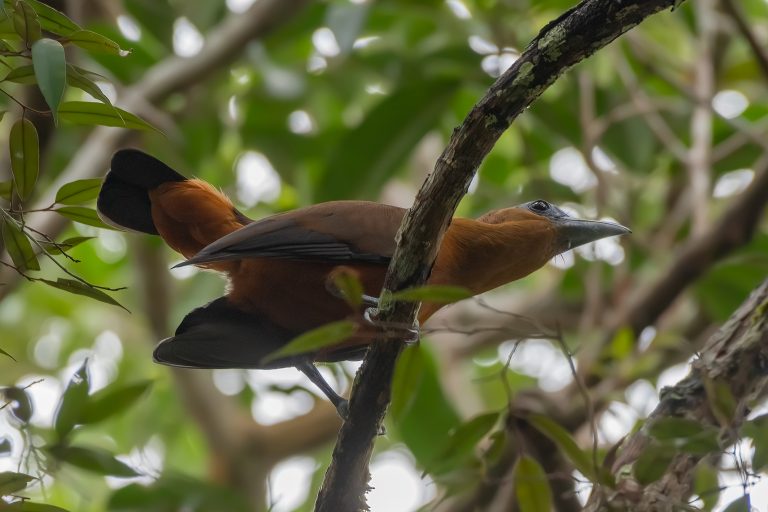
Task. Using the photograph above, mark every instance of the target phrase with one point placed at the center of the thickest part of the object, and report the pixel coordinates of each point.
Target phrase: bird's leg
(408, 333)
(311, 371)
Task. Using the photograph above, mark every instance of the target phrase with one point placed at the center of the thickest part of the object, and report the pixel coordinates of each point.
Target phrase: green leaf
(83, 215)
(21, 75)
(19, 247)
(92, 113)
(706, 484)
(26, 23)
(324, 336)
(443, 294)
(72, 402)
(25, 156)
(22, 404)
(757, 429)
(349, 285)
(742, 504)
(108, 402)
(652, 463)
(407, 378)
(531, 486)
(11, 483)
(79, 191)
(5, 447)
(462, 442)
(52, 20)
(67, 244)
(675, 428)
(29, 506)
(50, 65)
(579, 458)
(6, 189)
(93, 459)
(95, 42)
(721, 401)
(369, 154)
(80, 288)
(77, 79)
(623, 343)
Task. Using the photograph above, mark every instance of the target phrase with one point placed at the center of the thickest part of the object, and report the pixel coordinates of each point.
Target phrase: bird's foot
(408, 333)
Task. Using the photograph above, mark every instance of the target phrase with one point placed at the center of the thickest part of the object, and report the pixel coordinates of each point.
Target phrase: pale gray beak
(575, 232)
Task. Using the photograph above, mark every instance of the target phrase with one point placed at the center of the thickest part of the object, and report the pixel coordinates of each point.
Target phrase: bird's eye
(539, 206)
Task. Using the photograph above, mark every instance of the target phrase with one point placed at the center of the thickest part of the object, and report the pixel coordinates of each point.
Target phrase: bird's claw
(408, 333)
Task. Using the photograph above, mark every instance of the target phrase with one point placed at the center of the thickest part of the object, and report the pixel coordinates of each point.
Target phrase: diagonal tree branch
(562, 43)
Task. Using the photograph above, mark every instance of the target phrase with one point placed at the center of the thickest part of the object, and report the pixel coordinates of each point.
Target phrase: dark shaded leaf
(25, 22)
(83, 215)
(95, 42)
(31, 506)
(11, 482)
(91, 113)
(93, 459)
(19, 247)
(531, 486)
(324, 336)
(175, 492)
(674, 428)
(80, 288)
(757, 429)
(79, 191)
(25, 156)
(408, 374)
(742, 504)
(52, 20)
(721, 400)
(22, 404)
(67, 244)
(72, 402)
(108, 401)
(6, 189)
(21, 75)
(433, 293)
(369, 154)
(50, 66)
(5, 446)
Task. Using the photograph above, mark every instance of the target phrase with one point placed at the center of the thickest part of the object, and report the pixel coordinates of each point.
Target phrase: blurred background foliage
(661, 131)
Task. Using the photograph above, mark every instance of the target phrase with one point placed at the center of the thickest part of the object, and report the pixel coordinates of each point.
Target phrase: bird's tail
(141, 193)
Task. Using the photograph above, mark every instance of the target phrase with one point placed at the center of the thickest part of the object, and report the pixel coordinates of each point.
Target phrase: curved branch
(562, 43)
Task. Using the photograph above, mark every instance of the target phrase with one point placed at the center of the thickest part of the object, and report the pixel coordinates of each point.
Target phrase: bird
(282, 268)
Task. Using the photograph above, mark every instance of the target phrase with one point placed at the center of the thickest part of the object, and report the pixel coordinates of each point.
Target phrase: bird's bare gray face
(573, 232)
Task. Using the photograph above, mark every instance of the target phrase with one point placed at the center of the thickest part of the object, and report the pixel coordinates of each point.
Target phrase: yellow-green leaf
(52, 20)
(83, 215)
(349, 286)
(324, 336)
(93, 41)
(77, 79)
(91, 113)
(25, 156)
(109, 401)
(21, 75)
(72, 401)
(93, 459)
(461, 442)
(11, 483)
(579, 458)
(50, 65)
(409, 372)
(6, 189)
(79, 191)
(652, 463)
(19, 247)
(442, 294)
(531, 486)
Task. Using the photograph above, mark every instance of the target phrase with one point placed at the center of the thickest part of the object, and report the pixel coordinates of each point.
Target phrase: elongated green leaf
(95, 42)
(674, 428)
(462, 442)
(77, 79)
(433, 293)
(25, 22)
(324, 336)
(79, 191)
(19, 248)
(90, 113)
(579, 458)
(83, 215)
(350, 287)
(11, 482)
(108, 402)
(408, 375)
(52, 20)
(72, 402)
(93, 459)
(652, 463)
(531, 486)
(67, 244)
(741, 504)
(25, 156)
(50, 65)
(369, 154)
(21, 75)
(31, 506)
(78, 288)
